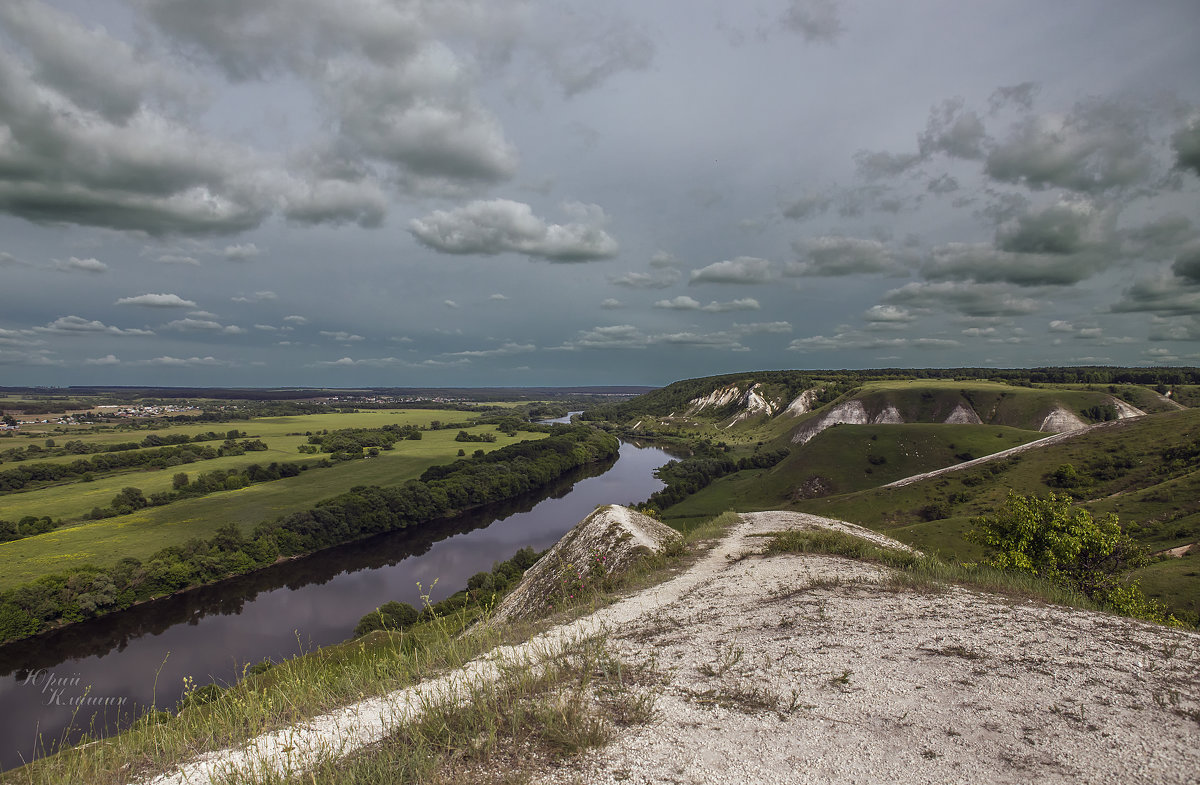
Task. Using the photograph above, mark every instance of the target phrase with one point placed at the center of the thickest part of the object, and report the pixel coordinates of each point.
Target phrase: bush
(1053, 539)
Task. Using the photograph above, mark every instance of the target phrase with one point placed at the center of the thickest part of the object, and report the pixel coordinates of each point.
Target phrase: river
(138, 658)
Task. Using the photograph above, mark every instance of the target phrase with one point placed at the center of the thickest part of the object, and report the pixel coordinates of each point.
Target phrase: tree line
(22, 477)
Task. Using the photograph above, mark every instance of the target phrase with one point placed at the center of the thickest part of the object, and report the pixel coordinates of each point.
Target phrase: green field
(142, 533)
(71, 500)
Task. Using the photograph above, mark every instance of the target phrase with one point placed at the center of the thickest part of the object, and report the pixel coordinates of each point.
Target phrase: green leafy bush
(1050, 537)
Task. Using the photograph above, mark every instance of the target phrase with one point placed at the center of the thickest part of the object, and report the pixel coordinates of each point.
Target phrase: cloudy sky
(484, 192)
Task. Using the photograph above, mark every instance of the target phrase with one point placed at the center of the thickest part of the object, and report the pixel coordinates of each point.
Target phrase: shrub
(1053, 539)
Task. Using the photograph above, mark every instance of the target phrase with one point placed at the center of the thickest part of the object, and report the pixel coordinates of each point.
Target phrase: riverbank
(88, 592)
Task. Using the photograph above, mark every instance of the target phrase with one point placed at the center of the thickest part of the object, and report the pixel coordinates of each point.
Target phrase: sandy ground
(806, 668)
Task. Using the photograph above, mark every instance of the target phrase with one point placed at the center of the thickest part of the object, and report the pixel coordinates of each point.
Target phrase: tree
(1050, 537)
(10, 421)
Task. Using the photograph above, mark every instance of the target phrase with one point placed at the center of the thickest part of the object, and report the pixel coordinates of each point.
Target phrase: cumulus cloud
(257, 297)
(611, 304)
(1098, 146)
(681, 303)
(188, 362)
(503, 350)
(685, 303)
(342, 335)
(498, 226)
(157, 301)
(761, 328)
(663, 259)
(626, 336)
(368, 362)
(743, 269)
(660, 280)
(836, 255)
(243, 252)
(94, 70)
(970, 299)
(170, 258)
(75, 264)
(77, 325)
(203, 325)
(888, 317)
(1187, 264)
(108, 359)
(497, 297)
(294, 319)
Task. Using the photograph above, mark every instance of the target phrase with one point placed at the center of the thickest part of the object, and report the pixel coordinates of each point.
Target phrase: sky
(424, 193)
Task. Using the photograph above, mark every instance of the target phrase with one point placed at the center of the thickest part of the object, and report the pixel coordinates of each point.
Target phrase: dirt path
(805, 668)
(1020, 448)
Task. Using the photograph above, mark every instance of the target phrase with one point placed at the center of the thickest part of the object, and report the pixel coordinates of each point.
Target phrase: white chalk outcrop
(717, 399)
(803, 403)
(1061, 421)
(849, 413)
(963, 415)
(1124, 410)
(607, 541)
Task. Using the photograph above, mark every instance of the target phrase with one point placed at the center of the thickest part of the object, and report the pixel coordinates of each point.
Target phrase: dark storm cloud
(969, 299)
(501, 226)
(1186, 144)
(1163, 294)
(1187, 265)
(983, 263)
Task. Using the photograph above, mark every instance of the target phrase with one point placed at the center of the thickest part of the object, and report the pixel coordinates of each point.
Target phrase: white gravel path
(807, 669)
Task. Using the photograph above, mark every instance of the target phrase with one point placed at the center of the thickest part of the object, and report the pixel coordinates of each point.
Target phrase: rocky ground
(806, 668)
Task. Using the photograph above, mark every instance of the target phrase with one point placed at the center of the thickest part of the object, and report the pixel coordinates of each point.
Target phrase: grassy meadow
(141, 533)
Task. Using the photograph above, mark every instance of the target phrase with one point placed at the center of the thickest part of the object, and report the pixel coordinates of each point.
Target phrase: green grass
(1176, 583)
(140, 534)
